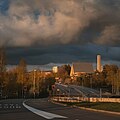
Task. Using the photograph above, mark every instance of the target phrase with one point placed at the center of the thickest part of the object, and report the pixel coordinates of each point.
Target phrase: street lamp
(69, 91)
(90, 77)
(58, 93)
(1, 91)
(100, 93)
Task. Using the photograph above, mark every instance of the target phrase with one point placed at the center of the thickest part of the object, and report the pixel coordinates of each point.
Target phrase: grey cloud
(63, 54)
(49, 22)
(110, 35)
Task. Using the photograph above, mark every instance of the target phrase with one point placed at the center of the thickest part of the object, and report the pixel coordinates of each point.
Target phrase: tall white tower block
(99, 66)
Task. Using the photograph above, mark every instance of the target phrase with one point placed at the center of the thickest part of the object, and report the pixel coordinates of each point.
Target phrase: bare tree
(2, 60)
(2, 70)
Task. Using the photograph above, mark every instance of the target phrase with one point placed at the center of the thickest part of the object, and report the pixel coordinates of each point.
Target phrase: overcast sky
(60, 31)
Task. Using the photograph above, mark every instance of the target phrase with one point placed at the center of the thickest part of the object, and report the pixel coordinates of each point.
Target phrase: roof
(83, 67)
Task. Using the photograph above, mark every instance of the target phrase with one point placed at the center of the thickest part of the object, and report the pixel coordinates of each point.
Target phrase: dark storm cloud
(43, 31)
(48, 22)
(63, 54)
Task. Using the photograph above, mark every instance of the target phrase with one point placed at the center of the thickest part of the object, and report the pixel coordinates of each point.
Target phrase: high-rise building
(99, 66)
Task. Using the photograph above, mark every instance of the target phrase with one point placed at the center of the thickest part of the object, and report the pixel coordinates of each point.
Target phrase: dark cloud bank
(64, 54)
(46, 31)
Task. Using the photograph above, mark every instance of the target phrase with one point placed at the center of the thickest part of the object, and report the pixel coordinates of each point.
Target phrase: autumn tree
(2, 70)
(110, 72)
(84, 80)
(116, 83)
(67, 68)
(21, 74)
(45, 83)
(2, 60)
(64, 72)
(12, 85)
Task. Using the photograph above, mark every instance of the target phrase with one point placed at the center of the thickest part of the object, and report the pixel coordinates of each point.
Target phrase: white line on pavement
(41, 113)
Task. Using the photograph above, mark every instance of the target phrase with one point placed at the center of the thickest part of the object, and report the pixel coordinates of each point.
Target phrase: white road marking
(41, 113)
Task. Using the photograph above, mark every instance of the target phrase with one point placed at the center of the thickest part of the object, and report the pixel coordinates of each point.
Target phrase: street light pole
(82, 82)
(90, 81)
(58, 92)
(69, 90)
(22, 86)
(1, 92)
(100, 93)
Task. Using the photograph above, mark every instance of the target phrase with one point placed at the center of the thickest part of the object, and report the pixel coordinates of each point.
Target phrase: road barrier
(81, 99)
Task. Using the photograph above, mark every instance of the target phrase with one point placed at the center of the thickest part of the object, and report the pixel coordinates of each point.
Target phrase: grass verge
(114, 107)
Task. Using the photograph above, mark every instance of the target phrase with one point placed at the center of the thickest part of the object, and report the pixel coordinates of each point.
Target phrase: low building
(79, 68)
(47, 72)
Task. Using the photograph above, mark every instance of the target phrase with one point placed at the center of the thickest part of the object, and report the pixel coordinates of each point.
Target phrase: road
(14, 110)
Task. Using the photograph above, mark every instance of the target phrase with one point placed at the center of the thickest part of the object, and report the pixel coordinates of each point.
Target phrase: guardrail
(81, 99)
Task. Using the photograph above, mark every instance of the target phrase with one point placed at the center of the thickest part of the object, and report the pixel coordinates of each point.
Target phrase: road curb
(58, 103)
(103, 111)
(90, 109)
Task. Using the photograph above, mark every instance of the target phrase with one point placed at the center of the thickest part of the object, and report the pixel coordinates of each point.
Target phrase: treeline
(19, 83)
(108, 80)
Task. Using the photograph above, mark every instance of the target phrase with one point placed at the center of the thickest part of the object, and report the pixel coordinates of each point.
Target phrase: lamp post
(100, 93)
(58, 93)
(117, 83)
(22, 86)
(69, 91)
(34, 83)
(1, 92)
(82, 82)
(90, 81)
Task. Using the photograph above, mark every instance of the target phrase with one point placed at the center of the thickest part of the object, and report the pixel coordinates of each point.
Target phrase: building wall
(55, 69)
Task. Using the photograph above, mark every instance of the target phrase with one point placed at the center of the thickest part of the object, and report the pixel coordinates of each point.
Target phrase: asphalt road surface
(42, 109)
